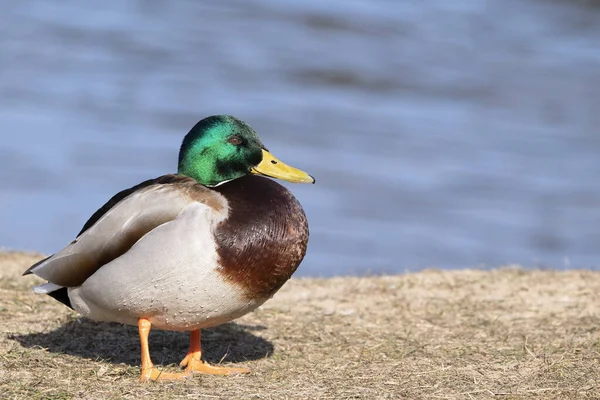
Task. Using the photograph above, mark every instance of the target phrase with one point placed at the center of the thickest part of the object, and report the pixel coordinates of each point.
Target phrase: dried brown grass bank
(468, 334)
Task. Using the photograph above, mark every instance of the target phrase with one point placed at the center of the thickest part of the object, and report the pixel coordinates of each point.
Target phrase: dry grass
(506, 334)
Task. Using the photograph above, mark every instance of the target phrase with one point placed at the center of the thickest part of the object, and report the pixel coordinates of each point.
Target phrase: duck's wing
(119, 224)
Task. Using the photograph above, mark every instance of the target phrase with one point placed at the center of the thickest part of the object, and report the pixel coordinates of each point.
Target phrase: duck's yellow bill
(272, 167)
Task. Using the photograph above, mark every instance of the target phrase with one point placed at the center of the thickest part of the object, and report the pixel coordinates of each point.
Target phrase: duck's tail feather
(59, 293)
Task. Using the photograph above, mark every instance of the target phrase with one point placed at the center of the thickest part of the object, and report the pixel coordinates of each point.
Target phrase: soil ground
(508, 333)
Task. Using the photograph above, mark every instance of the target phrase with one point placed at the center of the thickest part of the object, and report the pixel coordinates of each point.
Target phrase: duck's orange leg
(149, 371)
(193, 361)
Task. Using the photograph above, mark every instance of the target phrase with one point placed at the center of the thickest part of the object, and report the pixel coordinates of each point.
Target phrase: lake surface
(442, 133)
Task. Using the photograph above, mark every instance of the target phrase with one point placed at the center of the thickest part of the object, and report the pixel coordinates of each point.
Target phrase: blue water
(442, 133)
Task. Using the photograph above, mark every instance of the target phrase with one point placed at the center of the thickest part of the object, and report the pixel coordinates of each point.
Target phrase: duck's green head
(222, 148)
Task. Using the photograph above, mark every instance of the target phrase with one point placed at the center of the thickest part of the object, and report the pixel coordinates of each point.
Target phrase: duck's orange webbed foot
(153, 374)
(194, 364)
(198, 366)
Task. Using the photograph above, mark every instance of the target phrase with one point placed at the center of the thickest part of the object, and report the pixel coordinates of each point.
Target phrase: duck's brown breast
(264, 239)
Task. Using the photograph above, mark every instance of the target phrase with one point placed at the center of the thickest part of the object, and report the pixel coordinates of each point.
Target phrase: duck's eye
(235, 140)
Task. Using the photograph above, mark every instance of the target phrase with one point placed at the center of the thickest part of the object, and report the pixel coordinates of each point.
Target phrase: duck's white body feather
(170, 275)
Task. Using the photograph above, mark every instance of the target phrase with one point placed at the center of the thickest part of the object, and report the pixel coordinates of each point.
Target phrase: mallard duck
(190, 250)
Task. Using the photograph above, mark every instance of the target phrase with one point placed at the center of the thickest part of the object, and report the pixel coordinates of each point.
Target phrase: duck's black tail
(62, 295)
